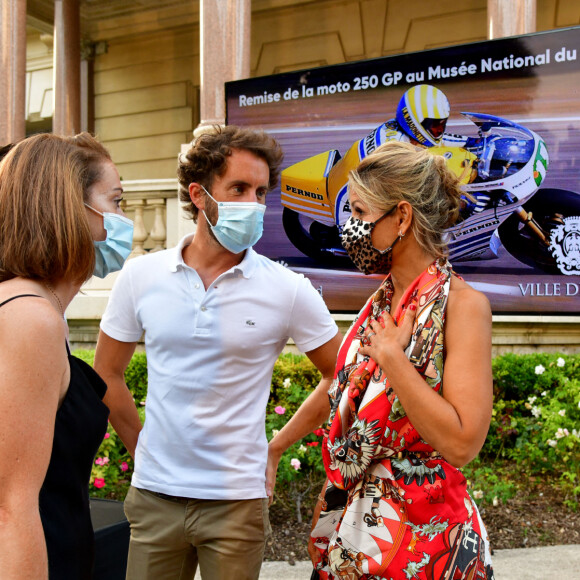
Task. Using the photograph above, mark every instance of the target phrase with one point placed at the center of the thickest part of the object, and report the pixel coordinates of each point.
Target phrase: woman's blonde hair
(398, 172)
(44, 230)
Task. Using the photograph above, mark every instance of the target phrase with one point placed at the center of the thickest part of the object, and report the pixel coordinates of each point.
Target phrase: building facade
(146, 74)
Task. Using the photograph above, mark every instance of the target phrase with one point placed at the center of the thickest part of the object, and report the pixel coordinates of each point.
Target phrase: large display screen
(512, 136)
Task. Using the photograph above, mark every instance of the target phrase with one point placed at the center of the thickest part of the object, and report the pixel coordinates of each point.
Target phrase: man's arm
(311, 414)
(111, 360)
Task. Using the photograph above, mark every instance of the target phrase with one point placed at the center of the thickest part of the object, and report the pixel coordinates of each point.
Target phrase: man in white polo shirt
(216, 315)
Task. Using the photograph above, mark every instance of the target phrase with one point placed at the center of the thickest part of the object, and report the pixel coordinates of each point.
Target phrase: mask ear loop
(203, 210)
(93, 209)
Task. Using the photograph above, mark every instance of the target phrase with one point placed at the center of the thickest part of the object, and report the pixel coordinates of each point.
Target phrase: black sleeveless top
(81, 424)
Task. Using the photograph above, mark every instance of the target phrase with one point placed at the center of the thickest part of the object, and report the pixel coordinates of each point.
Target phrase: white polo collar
(246, 266)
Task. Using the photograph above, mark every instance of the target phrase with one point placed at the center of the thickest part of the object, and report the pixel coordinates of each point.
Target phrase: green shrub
(536, 421)
(87, 356)
(113, 466)
(300, 471)
(534, 430)
(136, 377)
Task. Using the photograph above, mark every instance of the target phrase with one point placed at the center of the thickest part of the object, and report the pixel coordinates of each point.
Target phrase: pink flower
(102, 460)
(107, 435)
(99, 482)
(124, 466)
(280, 410)
(295, 463)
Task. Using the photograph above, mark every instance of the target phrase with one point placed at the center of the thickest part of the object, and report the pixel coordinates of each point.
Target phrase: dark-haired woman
(60, 222)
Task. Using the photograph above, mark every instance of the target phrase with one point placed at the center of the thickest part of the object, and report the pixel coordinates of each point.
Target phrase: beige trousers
(170, 537)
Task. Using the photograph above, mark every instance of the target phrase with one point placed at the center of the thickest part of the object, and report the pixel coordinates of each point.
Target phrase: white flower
(275, 432)
(540, 369)
(560, 362)
(295, 463)
(536, 411)
(552, 443)
(544, 393)
(576, 433)
(495, 501)
(560, 433)
(286, 384)
(562, 412)
(579, 404)
(477, 494)
(302, 449)
(532, 400)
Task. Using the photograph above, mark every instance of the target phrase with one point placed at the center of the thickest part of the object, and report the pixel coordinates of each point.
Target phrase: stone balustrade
(145, 202)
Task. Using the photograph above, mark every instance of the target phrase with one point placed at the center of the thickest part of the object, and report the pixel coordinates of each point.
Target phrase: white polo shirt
(210, 356)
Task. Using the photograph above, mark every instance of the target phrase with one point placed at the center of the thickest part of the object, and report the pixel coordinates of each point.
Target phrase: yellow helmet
(422, 114)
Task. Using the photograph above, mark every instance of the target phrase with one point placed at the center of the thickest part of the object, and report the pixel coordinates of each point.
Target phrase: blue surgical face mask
(111, 253)
(239, 224)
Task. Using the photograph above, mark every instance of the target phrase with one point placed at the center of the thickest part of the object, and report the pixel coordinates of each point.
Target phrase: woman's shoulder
(464, 299)
(27, 316)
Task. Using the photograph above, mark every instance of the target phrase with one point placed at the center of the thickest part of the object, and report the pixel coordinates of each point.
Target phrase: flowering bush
(113, 466)
(110, 475)
(535, 429)
(300, 472)
(294, 378)
(535, 423)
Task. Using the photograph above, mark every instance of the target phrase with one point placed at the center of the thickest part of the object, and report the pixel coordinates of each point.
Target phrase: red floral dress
(394, 508)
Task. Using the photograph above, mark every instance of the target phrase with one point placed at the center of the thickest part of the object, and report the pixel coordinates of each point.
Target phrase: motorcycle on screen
(501, 171)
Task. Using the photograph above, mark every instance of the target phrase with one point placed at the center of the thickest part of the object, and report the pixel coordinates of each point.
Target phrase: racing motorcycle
(500, 170)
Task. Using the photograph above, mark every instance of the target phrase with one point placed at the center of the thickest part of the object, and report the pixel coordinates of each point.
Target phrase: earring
(401, 234)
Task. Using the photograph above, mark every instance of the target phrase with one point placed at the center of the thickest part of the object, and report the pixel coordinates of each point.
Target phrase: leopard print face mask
(356, 240)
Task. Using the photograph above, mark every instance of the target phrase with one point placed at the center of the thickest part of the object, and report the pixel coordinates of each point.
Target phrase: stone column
(510, 17)
(67, 68)
(12, 70)
(224, 54)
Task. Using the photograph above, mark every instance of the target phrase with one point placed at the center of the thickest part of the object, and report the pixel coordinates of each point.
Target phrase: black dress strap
(36, 296)
(19, 296)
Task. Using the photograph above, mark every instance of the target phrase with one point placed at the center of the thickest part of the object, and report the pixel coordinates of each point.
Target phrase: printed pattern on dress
(404, 512)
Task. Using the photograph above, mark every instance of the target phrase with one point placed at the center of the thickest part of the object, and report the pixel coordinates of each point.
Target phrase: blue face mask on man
(240, 224)
(111, 253)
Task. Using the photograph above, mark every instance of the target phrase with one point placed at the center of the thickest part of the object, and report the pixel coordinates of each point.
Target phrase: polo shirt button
(203, 308)
(197, 286)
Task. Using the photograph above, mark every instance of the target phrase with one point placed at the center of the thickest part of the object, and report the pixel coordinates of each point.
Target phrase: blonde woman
(411, 399)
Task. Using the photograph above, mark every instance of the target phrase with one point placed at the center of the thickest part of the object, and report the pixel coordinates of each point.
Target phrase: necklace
(51, 290)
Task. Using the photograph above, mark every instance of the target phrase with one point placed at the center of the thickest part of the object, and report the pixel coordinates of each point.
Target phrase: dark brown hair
(209, 153)
(44, 231)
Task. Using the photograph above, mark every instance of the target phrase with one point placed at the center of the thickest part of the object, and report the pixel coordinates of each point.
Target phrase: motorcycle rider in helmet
(421, 119)
(422, 115)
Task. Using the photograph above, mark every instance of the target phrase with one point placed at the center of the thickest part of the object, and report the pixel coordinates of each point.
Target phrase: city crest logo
(565, 245)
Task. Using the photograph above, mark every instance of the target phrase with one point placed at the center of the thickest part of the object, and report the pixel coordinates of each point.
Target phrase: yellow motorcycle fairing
(462, 162)
(303, 186)
(338, 177)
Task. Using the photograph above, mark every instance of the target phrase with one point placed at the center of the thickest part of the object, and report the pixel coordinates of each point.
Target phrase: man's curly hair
(208, 156)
